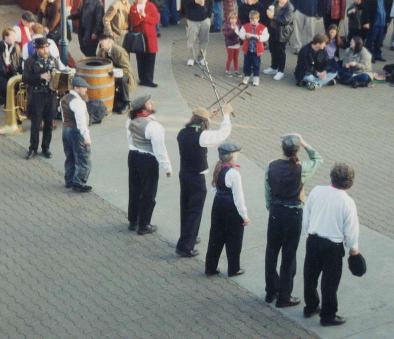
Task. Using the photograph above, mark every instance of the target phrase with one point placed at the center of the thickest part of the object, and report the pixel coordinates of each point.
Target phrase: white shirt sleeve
(81, 117)
(233, 180)
(351, 226)
(307, 213)
(242, 33)
(25, 52)
(264, 36)
(53, 50)
(155, 132)
(128, 133)
(211, 138)
(18, 32)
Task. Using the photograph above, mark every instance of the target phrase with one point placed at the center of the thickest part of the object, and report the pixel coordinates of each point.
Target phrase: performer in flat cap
(76, 137)
(42, 103)
(284, 195)
(147, 151)
(193, 141)
(229, 213)
(330, 221)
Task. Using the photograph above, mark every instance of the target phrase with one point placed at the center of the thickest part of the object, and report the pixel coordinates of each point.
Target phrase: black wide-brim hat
(357, 265)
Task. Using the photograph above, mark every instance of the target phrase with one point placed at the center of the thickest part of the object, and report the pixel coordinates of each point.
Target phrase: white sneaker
(190, 62)
(279, 76)
(245, 80)
(270, 71)
(256, 81)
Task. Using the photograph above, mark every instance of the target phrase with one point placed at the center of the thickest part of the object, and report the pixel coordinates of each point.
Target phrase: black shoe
(46, 154)
(380, 59)
(309, 314)
(68, 185)
(336, 321)
(293, 301)
(187, 254)
(332, 82)
(269, 298)
(148, 229)
(239, 272)
(210, 274)
(81, 188)
(198, 240)
(30, 154)
(148, 84)
(132, 227)
(392, 48)
(125, 109)
(373, 60)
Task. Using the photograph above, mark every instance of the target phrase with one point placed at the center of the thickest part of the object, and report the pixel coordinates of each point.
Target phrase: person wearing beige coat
(116, 20)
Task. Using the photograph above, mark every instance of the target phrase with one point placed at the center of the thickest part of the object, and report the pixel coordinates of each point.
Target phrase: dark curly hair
(342, 176)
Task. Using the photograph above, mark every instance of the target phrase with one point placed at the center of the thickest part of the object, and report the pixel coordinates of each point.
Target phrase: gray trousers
(304, 30)
(197, 33)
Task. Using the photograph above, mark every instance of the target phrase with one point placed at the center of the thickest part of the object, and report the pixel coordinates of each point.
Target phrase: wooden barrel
(98, 72)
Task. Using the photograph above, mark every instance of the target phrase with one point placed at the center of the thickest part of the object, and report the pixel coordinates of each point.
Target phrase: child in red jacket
(253, 34)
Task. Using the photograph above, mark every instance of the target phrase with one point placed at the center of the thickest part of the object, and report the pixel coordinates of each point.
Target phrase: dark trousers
(193, 193)
(122, 95)
(322, 256)
(143, 180)
(252, 64)
(146, 66)
(226, 230)
(169, 13)
(374, 41)
(77, 165)
(88, 48)
(42, 107)
(278, 54)
(284, 229)
(328, 21)
(3, 89)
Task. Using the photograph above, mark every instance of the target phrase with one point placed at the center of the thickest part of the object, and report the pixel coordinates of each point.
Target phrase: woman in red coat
(144, 18)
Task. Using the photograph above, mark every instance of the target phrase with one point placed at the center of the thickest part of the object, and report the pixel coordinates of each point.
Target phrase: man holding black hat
(193, 141)
(330, 220)
(147, 151)
(284, 195)
(76, 137)
(42, 103)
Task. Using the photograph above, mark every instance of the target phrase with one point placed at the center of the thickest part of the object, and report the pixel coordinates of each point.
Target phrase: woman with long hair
(229, 213)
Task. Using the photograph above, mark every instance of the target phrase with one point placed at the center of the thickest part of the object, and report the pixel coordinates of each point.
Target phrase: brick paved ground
(342, 123)
(69, 268)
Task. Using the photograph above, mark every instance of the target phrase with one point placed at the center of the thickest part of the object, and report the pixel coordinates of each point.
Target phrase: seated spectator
(354, 13)
(312, 63)
(332, 48)
(253, 5)
(23, 28)
(357, 66)
(10, 63)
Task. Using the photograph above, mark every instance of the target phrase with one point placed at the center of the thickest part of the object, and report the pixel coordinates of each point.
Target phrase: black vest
(193, 156)
(68, 114)
(284, 179)
(222, 191)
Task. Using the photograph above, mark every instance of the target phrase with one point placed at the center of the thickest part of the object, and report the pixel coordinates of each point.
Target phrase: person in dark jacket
(90, 16)
(333, 12)
(354, 13)
(253, 5)
(281, 28)
(306, 15)
(284, 198)
(374, 19)
(10, 60)
(312, 63)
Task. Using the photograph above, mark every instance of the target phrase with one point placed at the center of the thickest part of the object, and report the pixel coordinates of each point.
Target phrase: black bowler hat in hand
(357, 265)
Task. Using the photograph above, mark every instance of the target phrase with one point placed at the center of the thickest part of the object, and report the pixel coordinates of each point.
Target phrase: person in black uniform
(42, 103)
(229, 213)
(284, 195)
(193, 141)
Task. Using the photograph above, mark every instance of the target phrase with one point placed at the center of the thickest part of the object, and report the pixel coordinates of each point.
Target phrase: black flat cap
(228, 148)
(41, 42)
(291, 141)
(139, 103)
(357, 265)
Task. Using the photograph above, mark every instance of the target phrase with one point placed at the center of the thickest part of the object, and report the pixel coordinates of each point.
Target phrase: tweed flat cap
(79, 82)
(228, 148)
(139, 103)
(291, 141)
(201, 112)
(357, 265)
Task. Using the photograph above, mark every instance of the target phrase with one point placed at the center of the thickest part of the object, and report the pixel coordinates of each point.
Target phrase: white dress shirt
(332, 214)
(233, 180)
(78, 106)
(212, 138)
(18, 32)
(155, 133)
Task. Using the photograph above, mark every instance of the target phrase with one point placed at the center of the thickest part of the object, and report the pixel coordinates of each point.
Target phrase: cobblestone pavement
(69, 268)
(344, 124)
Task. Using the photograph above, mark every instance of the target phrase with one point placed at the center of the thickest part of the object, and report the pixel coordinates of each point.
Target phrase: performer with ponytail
(284, 195)
(229, 213)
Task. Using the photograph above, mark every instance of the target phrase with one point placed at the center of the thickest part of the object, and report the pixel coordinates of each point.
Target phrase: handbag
(134, 42)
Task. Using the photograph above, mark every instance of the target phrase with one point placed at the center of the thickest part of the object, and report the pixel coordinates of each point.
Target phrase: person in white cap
(76, 137)
(193, 141)
(147, 150)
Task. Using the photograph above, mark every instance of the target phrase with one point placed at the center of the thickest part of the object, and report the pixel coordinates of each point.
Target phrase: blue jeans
(77, 165)
(320, 82)
(169, 13)
(252, 64)
(217, 15)
(374, 41)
